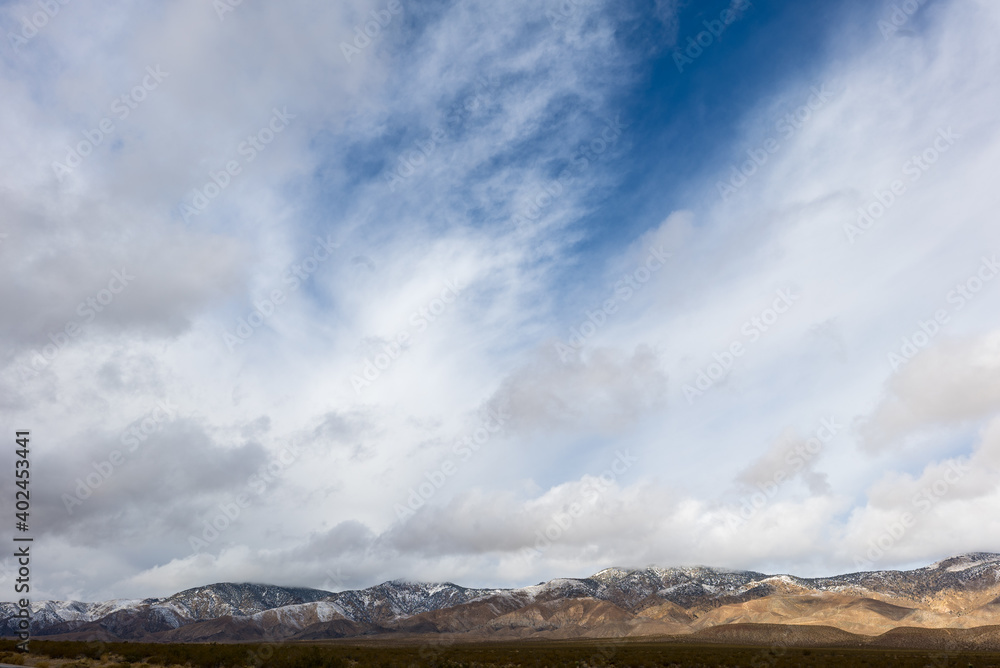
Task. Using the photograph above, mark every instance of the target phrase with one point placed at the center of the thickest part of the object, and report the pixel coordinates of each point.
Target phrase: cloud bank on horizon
(328, 294)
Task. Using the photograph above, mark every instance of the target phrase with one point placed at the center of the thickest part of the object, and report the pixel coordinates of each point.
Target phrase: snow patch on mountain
(382, 605)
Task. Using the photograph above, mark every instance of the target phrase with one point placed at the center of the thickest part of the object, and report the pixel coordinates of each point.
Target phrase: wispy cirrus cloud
(536, 166)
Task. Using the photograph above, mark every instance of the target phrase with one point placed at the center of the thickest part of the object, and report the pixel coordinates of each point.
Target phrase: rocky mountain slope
(958, 593)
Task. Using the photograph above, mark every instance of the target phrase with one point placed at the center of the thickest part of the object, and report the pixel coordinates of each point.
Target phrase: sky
(329, 294)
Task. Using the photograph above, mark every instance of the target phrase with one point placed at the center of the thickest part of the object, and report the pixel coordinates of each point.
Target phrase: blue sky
(498, 292)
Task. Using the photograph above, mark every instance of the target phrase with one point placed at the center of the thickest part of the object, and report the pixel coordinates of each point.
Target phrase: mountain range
(962, 592)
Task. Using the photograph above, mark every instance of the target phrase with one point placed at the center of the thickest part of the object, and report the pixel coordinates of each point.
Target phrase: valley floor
(60, 654)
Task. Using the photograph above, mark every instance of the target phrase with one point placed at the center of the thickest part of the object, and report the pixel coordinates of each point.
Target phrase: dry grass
(508, 655)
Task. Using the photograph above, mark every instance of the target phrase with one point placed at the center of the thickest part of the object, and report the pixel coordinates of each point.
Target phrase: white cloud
(512, 101)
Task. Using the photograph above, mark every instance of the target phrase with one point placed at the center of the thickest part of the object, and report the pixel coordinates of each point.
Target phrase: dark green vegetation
(548, 653)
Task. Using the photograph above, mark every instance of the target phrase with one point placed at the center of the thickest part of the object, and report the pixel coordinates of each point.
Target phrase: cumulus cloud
(604, 391)
(790, 457)
(953, 382)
